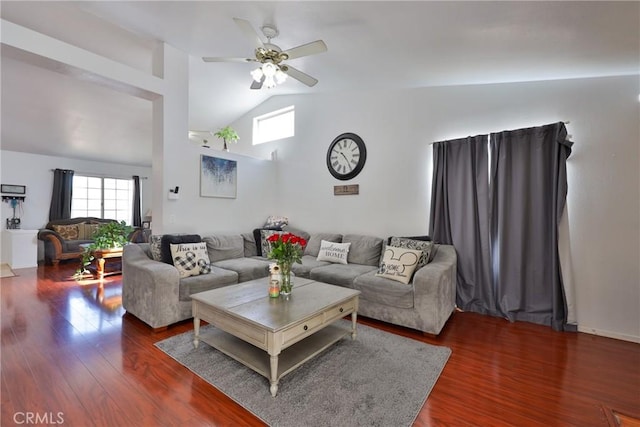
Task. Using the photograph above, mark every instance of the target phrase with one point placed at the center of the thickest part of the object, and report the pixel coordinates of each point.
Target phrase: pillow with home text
(399, 264)
(333, 252)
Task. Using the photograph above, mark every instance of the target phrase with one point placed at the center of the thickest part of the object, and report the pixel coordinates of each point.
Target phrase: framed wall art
(218, 177)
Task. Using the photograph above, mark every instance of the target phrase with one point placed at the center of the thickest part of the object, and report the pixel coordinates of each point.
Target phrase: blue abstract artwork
(218, 177)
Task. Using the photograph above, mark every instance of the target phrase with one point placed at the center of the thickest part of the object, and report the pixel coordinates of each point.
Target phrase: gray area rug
(380, 379)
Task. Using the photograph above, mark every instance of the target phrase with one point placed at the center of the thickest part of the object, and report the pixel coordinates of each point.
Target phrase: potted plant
(228, 135)
(110, 235)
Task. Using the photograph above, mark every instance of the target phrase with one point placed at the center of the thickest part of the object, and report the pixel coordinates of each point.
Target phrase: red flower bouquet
(286, 249)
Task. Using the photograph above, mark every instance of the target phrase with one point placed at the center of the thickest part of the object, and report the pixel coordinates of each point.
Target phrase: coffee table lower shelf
(288, 360)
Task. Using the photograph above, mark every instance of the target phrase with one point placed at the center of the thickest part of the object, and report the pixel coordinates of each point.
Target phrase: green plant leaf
(227, 134)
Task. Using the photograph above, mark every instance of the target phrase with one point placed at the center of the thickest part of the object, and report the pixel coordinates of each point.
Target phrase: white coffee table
(274, 336)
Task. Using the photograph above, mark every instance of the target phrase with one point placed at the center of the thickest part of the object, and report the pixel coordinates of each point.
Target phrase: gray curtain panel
(460, 217)
(60, 207)
(137, 216)
(503, 220)
(528, 193)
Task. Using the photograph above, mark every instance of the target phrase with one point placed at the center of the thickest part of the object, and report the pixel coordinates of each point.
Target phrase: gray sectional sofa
(153, 291)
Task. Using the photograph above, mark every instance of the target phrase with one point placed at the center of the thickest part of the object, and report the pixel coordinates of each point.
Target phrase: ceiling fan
(273, 70)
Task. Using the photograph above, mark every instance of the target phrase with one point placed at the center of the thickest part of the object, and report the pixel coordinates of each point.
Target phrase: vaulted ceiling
(371, 46)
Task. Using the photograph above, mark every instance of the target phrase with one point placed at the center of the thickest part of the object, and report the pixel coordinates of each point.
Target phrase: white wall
(395, 185)
(205, 215)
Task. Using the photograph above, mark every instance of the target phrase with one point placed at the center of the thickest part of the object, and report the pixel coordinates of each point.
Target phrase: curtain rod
(97, 175)
(566, 122)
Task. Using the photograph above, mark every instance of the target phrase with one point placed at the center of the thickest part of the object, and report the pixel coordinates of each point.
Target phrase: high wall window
(275, 125)
(109, 198)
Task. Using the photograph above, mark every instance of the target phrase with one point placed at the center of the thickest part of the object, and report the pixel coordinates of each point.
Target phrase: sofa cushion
(308, 263)
(364, 250)
(168, 239)
(257, 236)
(86, 230)
(218, 278)
(155, 247)
(67, 232)
(247, 268)
(424, 238)
(250, 248)
(265, 244)
(340, 274)
(300, 233)
(274, 221)
(399, 264)
(334, 252)
(74, 245)
(191, 259)
(224, 247)
(425, 246)
(315, 240)
(384, 291)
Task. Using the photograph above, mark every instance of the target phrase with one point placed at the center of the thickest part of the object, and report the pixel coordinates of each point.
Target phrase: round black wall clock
(346, 156)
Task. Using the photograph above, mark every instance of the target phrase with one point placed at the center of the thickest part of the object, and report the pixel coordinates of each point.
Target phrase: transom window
(109, 198)
(275, 125)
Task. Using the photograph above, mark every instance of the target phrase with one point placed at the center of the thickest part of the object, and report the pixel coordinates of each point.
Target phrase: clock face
(346, 156)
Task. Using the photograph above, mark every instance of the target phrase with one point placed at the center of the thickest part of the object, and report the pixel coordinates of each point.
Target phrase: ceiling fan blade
(257, 85)
(249, 32)
(299, 75)
(227, 59)
(312, 48)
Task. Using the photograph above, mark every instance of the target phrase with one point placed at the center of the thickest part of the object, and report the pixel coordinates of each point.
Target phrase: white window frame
(275, 119)
(75, 211)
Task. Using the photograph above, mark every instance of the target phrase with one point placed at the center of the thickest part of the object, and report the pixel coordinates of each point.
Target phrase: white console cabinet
(20, 248)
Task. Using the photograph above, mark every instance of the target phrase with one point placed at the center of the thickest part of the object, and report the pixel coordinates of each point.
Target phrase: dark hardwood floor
(71, 356)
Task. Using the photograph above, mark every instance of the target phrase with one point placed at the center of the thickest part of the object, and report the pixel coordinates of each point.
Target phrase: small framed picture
(146, 225)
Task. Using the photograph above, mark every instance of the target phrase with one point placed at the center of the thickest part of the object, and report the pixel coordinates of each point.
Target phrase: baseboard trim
(609, 334)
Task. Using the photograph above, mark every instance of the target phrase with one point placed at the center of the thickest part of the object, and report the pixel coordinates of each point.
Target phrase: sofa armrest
(54, 243)
(149, 288)
(435, 286)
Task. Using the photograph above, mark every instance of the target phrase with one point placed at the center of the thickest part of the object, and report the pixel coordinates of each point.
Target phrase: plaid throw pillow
(191, 259)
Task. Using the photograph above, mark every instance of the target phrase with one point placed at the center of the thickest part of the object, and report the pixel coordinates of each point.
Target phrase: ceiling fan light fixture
(272, 71)
(280, 76)
(257, 75)
(271, 74)
(269, 83)
(269, 70)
